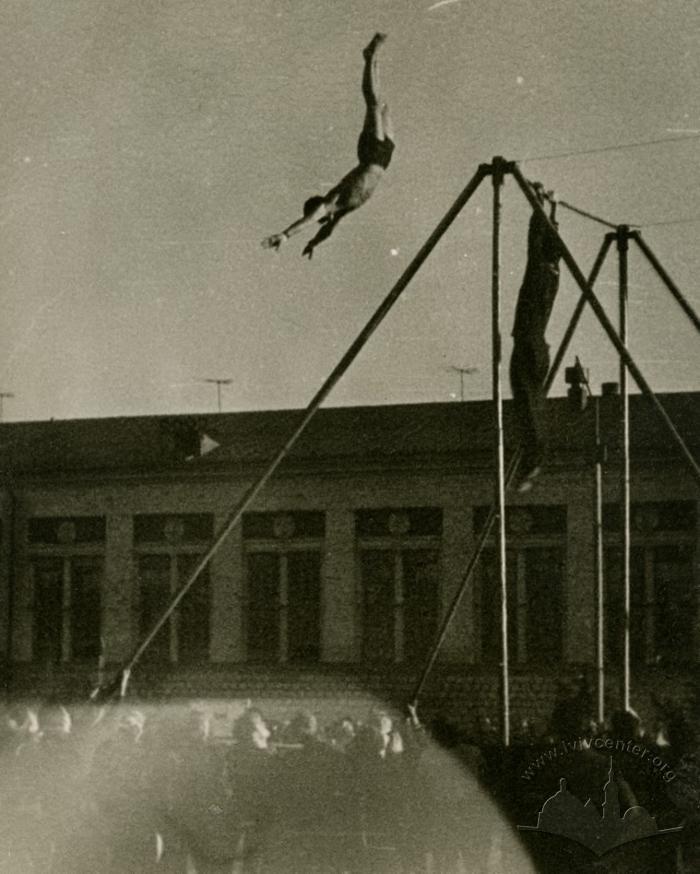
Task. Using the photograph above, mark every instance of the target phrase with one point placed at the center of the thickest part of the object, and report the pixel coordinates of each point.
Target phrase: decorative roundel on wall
(521, 521)
(646, 519)
(398, 523)
(283, 526)
(174, 529)
(66, 532)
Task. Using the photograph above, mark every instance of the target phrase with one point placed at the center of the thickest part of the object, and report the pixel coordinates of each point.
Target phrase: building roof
(379, 434)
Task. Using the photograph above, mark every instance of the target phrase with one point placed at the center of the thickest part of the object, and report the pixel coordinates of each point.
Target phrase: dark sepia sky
(147, 146)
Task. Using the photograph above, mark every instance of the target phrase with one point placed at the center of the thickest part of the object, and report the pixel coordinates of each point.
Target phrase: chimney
(609, 389)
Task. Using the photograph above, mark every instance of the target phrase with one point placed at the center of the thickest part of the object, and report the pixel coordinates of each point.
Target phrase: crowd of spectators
(125, 790)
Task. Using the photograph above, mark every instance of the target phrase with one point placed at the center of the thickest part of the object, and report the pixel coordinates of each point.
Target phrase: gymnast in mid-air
(374, 150)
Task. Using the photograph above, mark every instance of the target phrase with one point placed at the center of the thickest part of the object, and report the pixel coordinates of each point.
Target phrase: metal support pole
(669, 283)
(622, 249)
(332, 380)
(500, 489)
(607, 326)
(599, 561)
(487, 527)
(598, 543)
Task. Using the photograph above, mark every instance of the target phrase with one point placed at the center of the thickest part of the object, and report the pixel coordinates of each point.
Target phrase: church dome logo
(563, 814)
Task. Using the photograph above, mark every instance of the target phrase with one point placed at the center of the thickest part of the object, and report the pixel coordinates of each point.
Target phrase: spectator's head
(342, 732)
(488, 730)
(131, 724)
(261, 732)
(380, 721)
(23, 720)
(199, 724)
(250, 730)
(395, 743)
(55, 721)
(303, 727)
(347, 727)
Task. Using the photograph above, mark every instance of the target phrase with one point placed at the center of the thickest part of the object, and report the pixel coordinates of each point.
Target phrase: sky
(148, 146)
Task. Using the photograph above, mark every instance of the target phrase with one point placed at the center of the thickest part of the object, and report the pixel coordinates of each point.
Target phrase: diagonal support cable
(486, 528)
(668, 282)
(249, 496)
(588, 215)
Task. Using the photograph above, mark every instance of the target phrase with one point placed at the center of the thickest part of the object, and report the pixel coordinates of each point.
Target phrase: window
(283, 572)
(66, 557)
(535, 575)
(168, 550)
(399, 561)
(663, 609)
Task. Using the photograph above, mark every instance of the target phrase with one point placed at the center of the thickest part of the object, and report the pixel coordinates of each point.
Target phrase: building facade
(341, 571)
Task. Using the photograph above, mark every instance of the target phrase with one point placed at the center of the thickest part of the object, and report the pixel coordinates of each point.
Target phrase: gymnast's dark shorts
(371, 150)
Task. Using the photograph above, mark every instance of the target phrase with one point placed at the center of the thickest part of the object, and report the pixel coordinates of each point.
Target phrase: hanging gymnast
(374, 150)
(529, 362)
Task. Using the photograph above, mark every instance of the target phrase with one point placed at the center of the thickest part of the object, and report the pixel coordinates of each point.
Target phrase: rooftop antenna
(218, 383)
(3, 395)
(462, 371)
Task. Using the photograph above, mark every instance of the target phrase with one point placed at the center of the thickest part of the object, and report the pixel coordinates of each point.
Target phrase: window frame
(519, 543)
(396, 544)
(68, 554)
(173, 551)
(282, 546)
(647, 541)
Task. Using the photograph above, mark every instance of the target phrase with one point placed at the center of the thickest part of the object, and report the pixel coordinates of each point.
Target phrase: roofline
(211, 414)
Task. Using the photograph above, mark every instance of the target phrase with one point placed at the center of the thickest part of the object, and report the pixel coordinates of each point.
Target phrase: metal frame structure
(498, 169)
(577, 376)
(599, 562)
(497, 174)
(623, 299)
